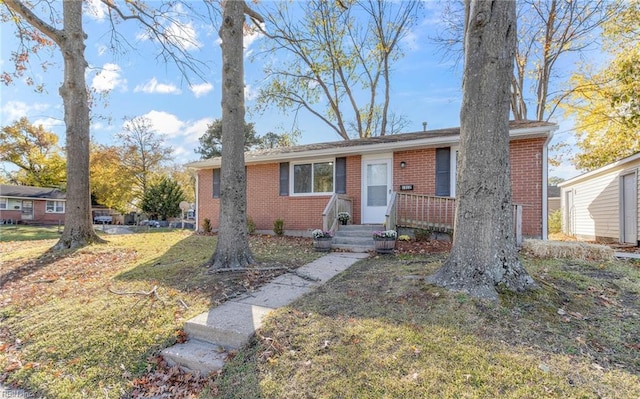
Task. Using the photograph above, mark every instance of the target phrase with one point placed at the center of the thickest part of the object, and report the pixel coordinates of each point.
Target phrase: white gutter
(545, 178)
(195, 228)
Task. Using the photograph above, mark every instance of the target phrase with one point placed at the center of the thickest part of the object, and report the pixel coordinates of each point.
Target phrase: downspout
(197, 215)
(545, 183)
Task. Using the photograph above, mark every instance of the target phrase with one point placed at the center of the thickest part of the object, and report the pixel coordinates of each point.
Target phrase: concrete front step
(196, 356)
(229, 325)
(355, 238)
(361, 227)
(363, 241)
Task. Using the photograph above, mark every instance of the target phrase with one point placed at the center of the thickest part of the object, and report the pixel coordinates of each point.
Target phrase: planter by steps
(384, 245)
(322, 244)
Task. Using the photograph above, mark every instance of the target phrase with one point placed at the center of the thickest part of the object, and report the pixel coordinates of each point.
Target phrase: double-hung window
(55, 207)
(313, 178)
(3, 203)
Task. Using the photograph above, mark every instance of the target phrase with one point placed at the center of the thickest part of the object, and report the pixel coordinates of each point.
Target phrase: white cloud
(165, 123)
(49, 124)
(184, 34)
(196, 129)
(108, 79)
(250, 93)
(152, 86)
(249, 39)
(14, 110)
(95, 9)
(201, 89)
(410, 41)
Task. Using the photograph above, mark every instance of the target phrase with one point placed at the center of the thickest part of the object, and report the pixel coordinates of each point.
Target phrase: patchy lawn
(378, 331)
(15, 232)
(79, 324)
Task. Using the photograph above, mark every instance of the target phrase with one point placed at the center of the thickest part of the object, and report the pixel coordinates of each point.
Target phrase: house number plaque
(406, 187)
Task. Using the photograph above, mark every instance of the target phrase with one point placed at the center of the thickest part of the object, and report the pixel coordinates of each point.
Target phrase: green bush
(422, 234)
(278, 227)
(206, 226)
(251, 226)
(555, 221)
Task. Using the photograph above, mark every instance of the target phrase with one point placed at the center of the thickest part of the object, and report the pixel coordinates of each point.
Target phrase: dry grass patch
(567, 250)
(65, 333)
(378, 331)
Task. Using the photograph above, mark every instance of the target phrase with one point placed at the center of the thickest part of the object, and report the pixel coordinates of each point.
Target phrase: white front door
(376, 188)
(629, 208)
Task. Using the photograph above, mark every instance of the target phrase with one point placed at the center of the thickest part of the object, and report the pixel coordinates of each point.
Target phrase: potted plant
(384, 241)
(322, 240)
(343, 217)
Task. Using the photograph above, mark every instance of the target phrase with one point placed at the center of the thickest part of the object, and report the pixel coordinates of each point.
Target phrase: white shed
(602, 205)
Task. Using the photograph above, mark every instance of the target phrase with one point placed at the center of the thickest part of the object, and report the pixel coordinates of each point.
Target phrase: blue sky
(137, 83)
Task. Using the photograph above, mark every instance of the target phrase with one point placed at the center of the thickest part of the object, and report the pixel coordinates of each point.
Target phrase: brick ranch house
(406, 180)
(26, 204)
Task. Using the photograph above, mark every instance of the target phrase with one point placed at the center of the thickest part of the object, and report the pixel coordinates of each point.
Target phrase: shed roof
(10, 191)
(404, 141)
(621, 163)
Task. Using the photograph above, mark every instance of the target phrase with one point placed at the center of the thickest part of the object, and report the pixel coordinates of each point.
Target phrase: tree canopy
(334, 60)
(211, 141)
(162, 200)
(605, 103)
(35, 152)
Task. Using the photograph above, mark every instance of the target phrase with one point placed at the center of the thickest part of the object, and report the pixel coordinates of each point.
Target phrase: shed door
(629, 209)
(569, 214)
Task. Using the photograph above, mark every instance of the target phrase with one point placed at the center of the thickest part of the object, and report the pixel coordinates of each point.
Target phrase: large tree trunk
(484, 255)
(78, 228)
(232, 250)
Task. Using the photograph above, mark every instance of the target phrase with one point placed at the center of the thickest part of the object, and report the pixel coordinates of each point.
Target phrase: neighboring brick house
(296, 183)
(26, 204)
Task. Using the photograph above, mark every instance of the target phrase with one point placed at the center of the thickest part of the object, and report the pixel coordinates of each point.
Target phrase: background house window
(55, 207)
(312, 178)
(216, 183)
(3, 203)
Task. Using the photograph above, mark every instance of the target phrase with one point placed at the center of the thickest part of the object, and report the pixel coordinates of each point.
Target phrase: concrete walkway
(229, 326)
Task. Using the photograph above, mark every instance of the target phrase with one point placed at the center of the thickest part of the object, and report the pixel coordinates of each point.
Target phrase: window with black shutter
(341, 175)
(216, 183)
(284, 178)
(443, 172)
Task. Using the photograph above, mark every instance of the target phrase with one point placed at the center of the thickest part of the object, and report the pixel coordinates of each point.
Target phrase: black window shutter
(284, 178)
(216, 183)
(341, 175)
(443, 175)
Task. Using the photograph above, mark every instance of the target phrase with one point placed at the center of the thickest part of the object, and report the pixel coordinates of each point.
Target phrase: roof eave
(524, 133)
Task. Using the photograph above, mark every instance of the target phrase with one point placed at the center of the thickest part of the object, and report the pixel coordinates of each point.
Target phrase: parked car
(103, 219)
(150, 223)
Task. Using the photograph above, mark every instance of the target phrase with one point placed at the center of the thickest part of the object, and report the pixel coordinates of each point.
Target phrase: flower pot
(322, 244)
(384, 245)
(344, 222)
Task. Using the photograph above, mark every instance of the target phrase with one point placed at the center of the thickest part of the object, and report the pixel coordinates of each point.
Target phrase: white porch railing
(425, 211)
(390, 216)
(338, 203)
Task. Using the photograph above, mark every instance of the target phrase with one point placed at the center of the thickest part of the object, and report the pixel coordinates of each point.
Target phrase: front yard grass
(65, 333)
(378, 331)
(14, 232)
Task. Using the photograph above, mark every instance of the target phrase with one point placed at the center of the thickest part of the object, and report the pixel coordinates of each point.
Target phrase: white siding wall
(596, 202)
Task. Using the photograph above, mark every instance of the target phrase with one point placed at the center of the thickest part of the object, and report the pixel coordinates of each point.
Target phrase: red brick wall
(264, 204)
(526, 183)
(420, 170)
(39, 214)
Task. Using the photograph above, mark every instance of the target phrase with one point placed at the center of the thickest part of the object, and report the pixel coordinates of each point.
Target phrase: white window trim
(46, 210)
(292, 192)
(453, 169)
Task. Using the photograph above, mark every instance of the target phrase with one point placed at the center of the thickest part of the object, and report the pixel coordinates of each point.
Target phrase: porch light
(403, 164)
